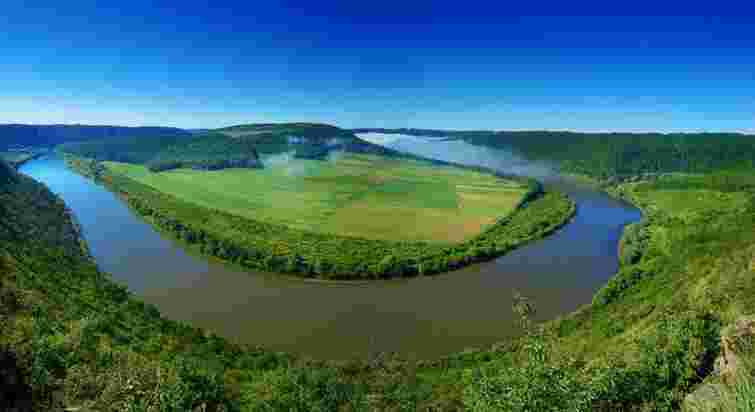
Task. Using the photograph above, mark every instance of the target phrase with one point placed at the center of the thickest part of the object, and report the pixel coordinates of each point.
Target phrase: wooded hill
(237, 146)
(15, 135)
(604, 155)
(208, 151)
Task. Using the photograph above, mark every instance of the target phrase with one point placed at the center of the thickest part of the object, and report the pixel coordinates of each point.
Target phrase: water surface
(422, 317)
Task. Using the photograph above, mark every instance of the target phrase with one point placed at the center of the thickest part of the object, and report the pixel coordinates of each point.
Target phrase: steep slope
(72, 338)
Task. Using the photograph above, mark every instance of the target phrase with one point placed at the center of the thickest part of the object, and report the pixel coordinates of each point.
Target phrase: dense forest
(604, 155)
(14, 135)
(208, 151)
(278, 248)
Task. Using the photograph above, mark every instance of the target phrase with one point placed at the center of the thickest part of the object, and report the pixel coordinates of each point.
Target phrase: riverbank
(350, 319)
(264, 246)
(664, 312)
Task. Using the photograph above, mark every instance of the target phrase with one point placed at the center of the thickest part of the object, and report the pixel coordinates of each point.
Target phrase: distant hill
(14, 135)
(308, 140)
(236, 146)
(612, 154)
(206, 151)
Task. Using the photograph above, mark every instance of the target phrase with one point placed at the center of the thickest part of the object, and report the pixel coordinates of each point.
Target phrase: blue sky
(463, 65)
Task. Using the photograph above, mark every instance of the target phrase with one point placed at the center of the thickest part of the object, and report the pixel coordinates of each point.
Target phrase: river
(420, 318)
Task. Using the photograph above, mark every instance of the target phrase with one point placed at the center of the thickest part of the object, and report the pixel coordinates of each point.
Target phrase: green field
(354, 195)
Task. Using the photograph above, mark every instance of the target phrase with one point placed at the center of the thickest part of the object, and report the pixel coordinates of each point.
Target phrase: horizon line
(547, 130)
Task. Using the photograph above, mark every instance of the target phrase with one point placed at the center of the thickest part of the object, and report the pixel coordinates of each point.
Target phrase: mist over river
(422, 317)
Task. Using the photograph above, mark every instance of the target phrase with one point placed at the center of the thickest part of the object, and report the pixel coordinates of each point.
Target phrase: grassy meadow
(353, 195)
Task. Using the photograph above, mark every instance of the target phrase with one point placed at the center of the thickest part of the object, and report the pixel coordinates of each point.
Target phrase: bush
(540, 383)
(300, 389)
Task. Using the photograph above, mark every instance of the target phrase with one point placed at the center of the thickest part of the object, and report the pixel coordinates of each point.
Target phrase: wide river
(421, 318)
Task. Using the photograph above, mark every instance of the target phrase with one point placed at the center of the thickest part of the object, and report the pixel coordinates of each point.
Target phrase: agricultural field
(355, 195)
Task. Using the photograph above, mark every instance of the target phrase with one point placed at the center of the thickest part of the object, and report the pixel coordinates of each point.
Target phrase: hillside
(237, 146)
(73, 338)
(307, 140)
(20, 135)
(648, 339)
(613, 154)
(208, 151)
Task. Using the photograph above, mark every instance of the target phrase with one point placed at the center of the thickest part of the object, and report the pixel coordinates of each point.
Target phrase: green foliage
(676, 356)
(647, 340)
(299, 389)
(606, 155)
(234, 147)
(540, 384)
(76, 333)
(672, 357)
(51, 135)
(208, 151)
(266, 246)
(633, 242)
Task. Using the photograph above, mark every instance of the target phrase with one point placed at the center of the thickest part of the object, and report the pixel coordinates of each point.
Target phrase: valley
(352, 215)
(683, 277)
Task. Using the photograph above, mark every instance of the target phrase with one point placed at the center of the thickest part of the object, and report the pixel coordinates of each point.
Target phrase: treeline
(307, 140)
(277, 248)
(159, 165)
(209, 151)
(139, 150)
(51, 135)
(238, 146)
(605, 155)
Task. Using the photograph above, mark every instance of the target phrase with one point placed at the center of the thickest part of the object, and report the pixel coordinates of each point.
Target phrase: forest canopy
(237, 146)
(604, 155)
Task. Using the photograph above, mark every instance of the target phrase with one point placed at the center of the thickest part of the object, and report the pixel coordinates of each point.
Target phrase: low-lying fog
(461, 152)
(293, 166)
